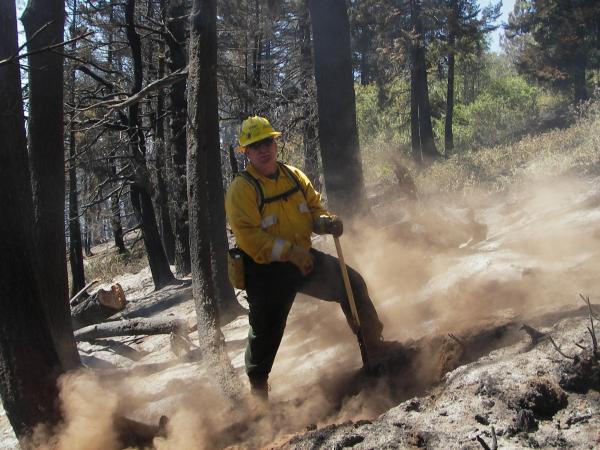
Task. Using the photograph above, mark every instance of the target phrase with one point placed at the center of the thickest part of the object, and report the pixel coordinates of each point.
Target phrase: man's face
(262, 155)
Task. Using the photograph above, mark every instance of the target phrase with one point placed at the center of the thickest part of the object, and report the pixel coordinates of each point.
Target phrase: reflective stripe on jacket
(267, 237)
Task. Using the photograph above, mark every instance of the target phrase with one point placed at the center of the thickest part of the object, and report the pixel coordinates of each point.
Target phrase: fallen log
(132, 327)
(98, 307)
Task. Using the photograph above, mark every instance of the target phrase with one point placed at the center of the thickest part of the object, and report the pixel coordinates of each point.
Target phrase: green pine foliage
(502, 108)
(573, 150)
(556, 42)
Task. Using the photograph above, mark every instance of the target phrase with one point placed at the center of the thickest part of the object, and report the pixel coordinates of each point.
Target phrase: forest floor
(475, 266)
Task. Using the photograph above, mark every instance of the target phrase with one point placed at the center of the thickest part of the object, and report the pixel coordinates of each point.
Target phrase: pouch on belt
(235, 268)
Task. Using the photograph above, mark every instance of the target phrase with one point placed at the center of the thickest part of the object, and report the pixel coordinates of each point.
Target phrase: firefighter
(272, 209)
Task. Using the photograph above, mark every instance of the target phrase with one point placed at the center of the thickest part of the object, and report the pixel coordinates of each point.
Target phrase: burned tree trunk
(229, 307)
(415, 138)
(448, 133)
(140, 190)
(161, 151)
(177, 108)
(75, 245)
(44, 23)
(203, 137)
(115, 207)
(419, 87)
(309, 132)
(233, 162)
(115, 218)
(338, 135)
(29, 362)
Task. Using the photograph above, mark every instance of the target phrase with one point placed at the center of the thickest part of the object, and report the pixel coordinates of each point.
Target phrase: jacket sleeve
(241, 206)
(313, 198)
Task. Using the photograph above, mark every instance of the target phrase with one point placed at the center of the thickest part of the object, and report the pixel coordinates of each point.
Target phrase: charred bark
(420, 89)
(428, 148)
(177, 109)
(157, 259)
(233, 162)
(309, 132)
(29, 362)
(162, 194)
(415, 137)
(203, 137)
(75, 245)
(46, 158)
(578, 76)
(140, 190)
(338, 135)
(115, 219)
(115, 207)
(229, 308)
(448, 134)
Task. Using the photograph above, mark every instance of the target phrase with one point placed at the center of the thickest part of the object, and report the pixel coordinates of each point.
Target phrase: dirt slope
(477, 267)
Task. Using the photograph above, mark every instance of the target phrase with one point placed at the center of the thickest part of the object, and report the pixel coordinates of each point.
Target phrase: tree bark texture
(29, 362)
(452, 31)
(115, 207)
(419, 62)
(203, 137)
(338, 135)
(229, 308)
(140, 190)
(177, 140)
(309, 129)
(157, 259)
(448, 134)
(115, 218)
(580, 90)
(46, 157)
(233, 162)
(161, 154)
(132, 327)
(75, 245)
(415, 137)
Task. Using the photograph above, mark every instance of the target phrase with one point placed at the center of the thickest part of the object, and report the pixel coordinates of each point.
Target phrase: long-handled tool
(361, 341)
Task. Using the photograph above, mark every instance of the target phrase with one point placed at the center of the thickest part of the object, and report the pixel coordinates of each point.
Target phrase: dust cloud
(440, 265)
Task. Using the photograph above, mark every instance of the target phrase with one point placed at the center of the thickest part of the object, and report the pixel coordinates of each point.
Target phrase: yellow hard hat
(255, 129)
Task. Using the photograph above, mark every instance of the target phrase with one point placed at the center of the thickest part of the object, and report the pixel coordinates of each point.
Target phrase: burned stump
(98, 307)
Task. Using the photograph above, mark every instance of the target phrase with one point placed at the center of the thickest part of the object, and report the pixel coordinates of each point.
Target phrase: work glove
(329, 225)
(301, 258)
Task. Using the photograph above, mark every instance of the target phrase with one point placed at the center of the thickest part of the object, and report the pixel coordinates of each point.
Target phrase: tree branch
(138, 96)
(45, 49)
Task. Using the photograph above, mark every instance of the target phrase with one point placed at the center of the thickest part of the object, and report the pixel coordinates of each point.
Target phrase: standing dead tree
(29, 362)
(202, 138)
(46, 157)
(140, 188)
(338, 134)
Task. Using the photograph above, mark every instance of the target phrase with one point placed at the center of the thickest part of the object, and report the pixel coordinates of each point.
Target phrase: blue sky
(507, 7)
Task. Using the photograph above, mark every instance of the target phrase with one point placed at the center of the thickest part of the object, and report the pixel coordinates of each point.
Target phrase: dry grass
(108, 264)
(573, 150)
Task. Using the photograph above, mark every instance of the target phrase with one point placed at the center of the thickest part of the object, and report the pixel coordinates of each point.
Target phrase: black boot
(259, 388)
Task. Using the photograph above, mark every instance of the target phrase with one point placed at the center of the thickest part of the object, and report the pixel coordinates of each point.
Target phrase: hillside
(476, 265)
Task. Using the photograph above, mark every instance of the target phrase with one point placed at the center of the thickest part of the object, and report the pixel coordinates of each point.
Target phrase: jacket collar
(252, 170)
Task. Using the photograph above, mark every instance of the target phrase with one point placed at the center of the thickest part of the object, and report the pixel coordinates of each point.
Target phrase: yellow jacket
(268, 237)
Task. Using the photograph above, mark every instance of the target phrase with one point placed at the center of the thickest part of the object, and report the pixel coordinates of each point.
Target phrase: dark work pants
(271, 290)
